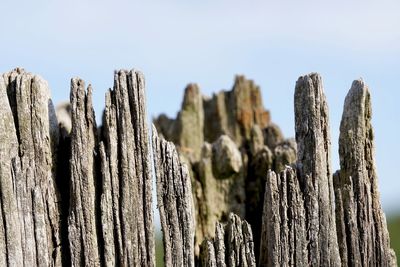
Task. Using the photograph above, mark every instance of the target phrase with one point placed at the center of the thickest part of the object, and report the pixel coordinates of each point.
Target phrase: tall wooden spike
(363, 237)
(313, 163)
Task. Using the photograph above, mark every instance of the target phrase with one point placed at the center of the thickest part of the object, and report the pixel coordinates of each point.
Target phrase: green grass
(394, 232)
(159, 249)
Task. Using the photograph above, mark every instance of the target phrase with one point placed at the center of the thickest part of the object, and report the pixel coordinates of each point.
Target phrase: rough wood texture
(313, 163)
(284, 232)
(111, 216)
(175, 203)
(232, 245)
(126, 198)
(83, 233)
(301, 214)
(298, 220)
(29, 228)
(362, 230)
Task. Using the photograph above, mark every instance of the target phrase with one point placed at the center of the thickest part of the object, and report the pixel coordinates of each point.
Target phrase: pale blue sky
(177, 42)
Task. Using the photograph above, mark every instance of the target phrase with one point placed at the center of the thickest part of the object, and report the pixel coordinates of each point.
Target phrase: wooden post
(75, 194)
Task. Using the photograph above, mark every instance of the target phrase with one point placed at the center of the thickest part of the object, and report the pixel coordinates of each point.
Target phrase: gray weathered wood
(83, 233)
(103, 214)
(126, 197)
(284, 233)
(232, 245)
(111, 218)
(313, 163)
(29, 229)
(175, 203)
(362, 230)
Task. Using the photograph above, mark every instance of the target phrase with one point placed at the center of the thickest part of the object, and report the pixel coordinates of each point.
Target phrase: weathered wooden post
(82, 195)
(126, 198)
(30, 233)
(362, 230)
(175, 203)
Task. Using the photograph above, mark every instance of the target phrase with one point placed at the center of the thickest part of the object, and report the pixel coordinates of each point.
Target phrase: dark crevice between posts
(99, 190)
(63, 183)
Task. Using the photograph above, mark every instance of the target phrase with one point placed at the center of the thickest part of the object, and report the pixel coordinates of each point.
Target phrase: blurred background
(177, 42)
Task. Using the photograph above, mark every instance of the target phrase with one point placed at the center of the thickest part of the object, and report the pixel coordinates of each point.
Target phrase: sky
(208, 42)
